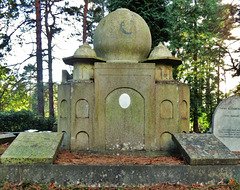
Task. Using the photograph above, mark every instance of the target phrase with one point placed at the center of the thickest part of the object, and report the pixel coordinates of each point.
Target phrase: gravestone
(204, 149)
(122, 97)
(4, 138)
(226, 122)
(33, 148)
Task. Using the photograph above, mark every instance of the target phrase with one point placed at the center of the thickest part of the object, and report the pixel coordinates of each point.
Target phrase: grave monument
(204, 149)
(119, 98)
(226, 122)
(33, 148)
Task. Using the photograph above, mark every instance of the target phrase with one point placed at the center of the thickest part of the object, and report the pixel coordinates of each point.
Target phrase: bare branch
(24, 22)
(30, 56)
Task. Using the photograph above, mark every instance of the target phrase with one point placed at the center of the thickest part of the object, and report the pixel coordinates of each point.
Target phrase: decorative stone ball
(122, 36)
(160, 51)
(85, 50)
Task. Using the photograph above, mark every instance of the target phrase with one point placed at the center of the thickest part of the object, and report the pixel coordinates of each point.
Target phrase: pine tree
(196, 35)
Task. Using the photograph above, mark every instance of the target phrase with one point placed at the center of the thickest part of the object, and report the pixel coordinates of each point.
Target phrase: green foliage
(33, 101)
(18, 121)
(153, 12)
(235, 59)
(95, 14)
(196, 35)
(13, 94)
(203, 123)
(9, 12)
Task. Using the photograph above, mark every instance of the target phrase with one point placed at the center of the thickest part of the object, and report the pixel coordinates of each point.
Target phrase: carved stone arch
(166, 109)
(82, 140)
(183, 111)
(159, 73)
(84, 71)
(82, 109)
(63, 108)
(166, 142)
(169, 73)
(125, 125)
(65, 140)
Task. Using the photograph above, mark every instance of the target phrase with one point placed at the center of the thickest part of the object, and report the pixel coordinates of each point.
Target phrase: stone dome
(85, 50)
(160, 51)
(122, 36)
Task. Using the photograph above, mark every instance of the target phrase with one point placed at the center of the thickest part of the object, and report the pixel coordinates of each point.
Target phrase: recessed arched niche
(125, 120)
(166, 109)
(158, 73)
(183, 110)
(169, 73)
(84, 71)
(82, 140)
(82, 109)
(166, 142)
(65, 140)
(63, 109)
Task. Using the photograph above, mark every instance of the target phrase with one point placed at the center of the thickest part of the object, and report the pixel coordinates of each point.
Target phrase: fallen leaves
(67, 157)
(3, 147)
(163, 186)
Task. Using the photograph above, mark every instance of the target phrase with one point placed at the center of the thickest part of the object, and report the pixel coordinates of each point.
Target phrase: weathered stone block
(64, 113)
(226, 122)
(204, 149)
(122, 100)
(130, 128)
(33, 148)
(82, 106)
(172, 111)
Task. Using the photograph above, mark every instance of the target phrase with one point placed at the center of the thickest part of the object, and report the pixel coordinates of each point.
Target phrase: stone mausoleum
(121, 97)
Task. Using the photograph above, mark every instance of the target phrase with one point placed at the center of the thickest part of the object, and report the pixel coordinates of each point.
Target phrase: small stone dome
(85, 50)
(160, 51)
(122, 36)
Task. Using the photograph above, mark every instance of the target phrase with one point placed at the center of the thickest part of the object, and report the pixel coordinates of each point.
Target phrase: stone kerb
(226, 122)
(4, 138)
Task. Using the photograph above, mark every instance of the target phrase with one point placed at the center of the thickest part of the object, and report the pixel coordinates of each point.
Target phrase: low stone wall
(118, 175)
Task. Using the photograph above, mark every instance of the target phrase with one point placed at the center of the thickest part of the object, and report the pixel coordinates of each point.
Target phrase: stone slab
(204, 149)
(226, 122)
(33, 148)
(4, 138)
(118, 175)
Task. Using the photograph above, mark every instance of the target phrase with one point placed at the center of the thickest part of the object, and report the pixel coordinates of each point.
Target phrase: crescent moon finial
(124, 31)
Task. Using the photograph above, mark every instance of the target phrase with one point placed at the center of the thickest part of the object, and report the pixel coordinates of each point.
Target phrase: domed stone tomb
(119, 99)
(122, 36)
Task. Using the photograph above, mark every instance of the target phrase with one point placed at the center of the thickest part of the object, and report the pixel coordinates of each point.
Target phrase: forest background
(33, 34)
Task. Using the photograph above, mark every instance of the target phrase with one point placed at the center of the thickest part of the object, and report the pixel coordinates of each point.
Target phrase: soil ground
(67, 157)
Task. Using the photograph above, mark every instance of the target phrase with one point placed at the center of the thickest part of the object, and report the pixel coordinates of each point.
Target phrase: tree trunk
(49, 32)
(195, 110)
(218, 78)
(196, 94)
(51, 106)
(39, 59)
(85, 21)
(195, 123)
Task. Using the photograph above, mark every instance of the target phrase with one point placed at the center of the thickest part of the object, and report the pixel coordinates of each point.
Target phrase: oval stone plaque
(124, 101)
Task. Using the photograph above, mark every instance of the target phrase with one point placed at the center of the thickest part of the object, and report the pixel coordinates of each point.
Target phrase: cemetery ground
(66, 157)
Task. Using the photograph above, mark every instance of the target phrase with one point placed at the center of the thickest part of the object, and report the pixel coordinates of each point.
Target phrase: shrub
(19, 121)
